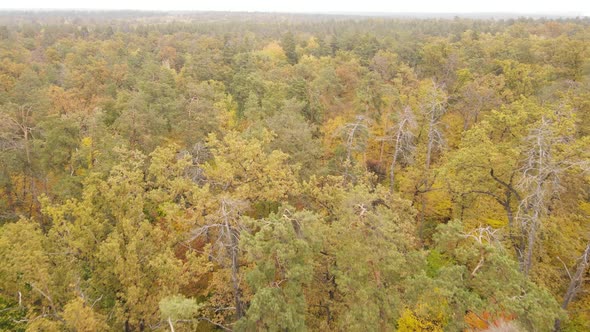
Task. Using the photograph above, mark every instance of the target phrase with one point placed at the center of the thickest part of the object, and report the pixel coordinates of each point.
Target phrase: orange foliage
(485, 320)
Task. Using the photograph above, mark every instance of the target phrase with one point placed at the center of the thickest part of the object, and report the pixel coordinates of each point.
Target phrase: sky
(576, 7)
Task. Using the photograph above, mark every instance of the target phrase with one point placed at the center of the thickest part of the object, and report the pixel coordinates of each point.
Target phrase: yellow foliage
(440, 204)
(409, 322)
(496, 223)
(243, 167)
(585, 207)
(44, 325)
(274, 51)
(331, 137)
(80, 317)
(86, 142)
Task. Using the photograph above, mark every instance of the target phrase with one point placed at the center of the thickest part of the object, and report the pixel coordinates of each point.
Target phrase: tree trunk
(393, 164)
(235, 271)
(232, 245)
(576, 282)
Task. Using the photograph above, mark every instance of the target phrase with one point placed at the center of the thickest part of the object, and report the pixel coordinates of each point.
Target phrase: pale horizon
(552, 8)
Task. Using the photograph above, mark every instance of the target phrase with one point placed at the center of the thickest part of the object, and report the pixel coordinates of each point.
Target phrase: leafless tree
(16, 134)
(540, 180)
(231, 233)
(404, 140)
(483, 235)
(353, 132)
(433, 108)
(355, 135)
(16, 128)
(225, 232)
(576, 282)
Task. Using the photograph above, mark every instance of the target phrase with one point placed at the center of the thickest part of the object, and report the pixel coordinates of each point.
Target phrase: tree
(432, 107)
(120, 240)
(284, 246)
(368, 229)
(548, 152)
(404, 145)
(478, 96)
(139, 123)
(576, 282)
(79, 316)
(355, 135)
(386, 64)
(475, 275)
(289, 46)
(205, 109)
(539, 182)
(295, 136)
(26, 270)
(241, 175)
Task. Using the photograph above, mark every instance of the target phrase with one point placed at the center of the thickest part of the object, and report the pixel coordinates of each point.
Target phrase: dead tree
(225, 234)
(576, 282)
(505, 195)
(16, 134)
(404, 141)
(231, 234)
(433, 109)
(540, 180)
(16, 129)
(355, 135)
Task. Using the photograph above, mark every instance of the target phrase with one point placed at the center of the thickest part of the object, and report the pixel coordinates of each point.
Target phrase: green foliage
(289, 45)
(492, 280)
(178, 307)
(10, 315)
(284, 245)
(292, 172)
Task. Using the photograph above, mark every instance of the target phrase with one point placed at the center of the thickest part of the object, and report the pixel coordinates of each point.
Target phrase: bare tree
(404, 141)
(540, 180)
(16, 129)
(226, 231)
(16, 134)
(231, 232)
(355, 135)
(433, 108)
(576, 282)
(483, 235)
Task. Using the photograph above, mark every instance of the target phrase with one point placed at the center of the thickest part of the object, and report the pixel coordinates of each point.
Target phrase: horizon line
(350, 13)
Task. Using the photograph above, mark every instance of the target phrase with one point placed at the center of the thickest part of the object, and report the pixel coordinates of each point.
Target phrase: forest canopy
(249, 171)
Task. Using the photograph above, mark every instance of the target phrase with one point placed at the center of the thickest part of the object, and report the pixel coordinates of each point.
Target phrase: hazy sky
(581, 7)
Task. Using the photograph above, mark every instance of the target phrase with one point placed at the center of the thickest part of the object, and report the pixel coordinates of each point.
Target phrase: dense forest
(252, 172)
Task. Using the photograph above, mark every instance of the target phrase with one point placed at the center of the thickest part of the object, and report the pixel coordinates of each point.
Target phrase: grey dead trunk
(354, 133)
(576, 282)
(434, 109)
(540, 180)
(404, 141)
(232, 246)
